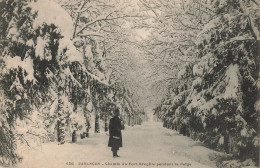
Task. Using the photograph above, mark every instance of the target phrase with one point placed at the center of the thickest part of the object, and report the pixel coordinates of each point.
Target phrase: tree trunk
(87, 117)
(139, 119)
(82, 136)
(164, 123)
(230, 144)
(129, 120)
(188, 131)
(61, 131)
(97, 129)
(226, 143)
(74, 136)
(61, 119)
(106, 123)
(87, 127)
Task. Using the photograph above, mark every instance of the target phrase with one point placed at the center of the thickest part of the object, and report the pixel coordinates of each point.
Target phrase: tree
(218, 109)
(227, 99)
(98, 26)
(36, 58)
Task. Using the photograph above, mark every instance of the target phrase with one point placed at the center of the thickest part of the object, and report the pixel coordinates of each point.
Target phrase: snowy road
(148, 145)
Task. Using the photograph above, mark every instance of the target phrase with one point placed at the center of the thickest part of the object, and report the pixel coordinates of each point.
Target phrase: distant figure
(115, 136)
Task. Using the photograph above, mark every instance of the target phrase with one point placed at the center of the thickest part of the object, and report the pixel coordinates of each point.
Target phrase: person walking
(115, 136)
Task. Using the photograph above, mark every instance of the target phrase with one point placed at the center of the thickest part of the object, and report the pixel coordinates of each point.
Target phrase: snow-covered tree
(53, 73)
(228, 51)
(221, 106)
(37, 54)
(12, 92)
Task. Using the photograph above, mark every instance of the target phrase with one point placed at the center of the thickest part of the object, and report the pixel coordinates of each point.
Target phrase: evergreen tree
(220, 107)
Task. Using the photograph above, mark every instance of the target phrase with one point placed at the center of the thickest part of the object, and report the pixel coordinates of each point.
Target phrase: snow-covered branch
(102, 18)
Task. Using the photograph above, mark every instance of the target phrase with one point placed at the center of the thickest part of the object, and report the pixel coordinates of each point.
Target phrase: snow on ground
(148, 145)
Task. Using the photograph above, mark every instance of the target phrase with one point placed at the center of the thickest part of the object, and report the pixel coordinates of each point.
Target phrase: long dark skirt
(114, 143)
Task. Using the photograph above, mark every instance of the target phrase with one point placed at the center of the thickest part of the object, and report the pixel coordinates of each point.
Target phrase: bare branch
(77, 17)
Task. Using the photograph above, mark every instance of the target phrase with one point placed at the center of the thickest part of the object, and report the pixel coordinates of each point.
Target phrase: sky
(142, 34)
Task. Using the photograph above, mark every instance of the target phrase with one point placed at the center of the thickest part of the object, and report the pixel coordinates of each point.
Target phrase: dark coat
(115, 136)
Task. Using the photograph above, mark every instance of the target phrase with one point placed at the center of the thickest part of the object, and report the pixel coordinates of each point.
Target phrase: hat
(117, 112)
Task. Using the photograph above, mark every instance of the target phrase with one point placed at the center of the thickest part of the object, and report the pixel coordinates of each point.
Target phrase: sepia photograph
(129, 83)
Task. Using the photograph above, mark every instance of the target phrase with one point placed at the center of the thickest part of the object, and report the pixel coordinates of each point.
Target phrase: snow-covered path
(148, 145)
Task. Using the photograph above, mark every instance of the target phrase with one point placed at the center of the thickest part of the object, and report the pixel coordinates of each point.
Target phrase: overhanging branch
(103, 19)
